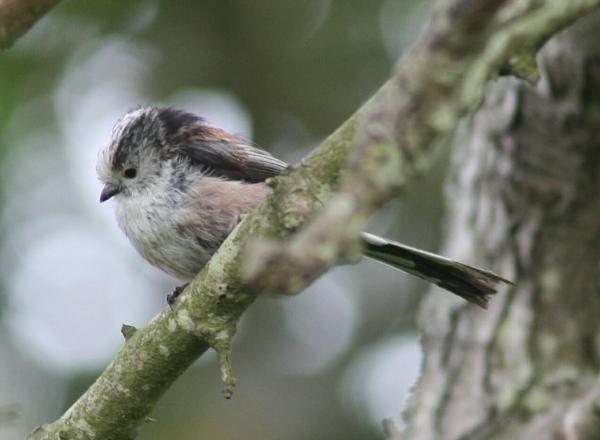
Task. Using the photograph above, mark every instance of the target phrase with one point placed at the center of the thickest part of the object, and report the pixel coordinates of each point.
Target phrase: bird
(180, 186)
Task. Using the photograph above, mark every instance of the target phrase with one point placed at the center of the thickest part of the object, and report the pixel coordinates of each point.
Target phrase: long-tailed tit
(180, 186)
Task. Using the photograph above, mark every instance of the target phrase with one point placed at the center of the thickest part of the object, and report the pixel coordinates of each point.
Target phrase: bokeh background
(331, 363)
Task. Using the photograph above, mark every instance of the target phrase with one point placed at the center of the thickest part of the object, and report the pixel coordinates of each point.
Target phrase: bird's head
(143, 149)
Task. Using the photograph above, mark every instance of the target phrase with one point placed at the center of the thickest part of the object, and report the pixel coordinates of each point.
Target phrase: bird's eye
(130, 172)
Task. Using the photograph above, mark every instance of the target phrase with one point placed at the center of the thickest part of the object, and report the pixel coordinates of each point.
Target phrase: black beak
(109, 191)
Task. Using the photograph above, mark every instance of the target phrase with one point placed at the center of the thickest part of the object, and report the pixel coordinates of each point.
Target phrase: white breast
(157, 229)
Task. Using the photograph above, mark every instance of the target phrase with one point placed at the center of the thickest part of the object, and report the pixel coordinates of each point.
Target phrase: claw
(172, 297)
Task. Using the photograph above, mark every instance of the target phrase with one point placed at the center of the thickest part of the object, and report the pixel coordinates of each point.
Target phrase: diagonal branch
(208, 310)
(443, 76)
(18, 16)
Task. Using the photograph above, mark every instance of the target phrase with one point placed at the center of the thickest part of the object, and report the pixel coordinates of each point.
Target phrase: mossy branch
(413, 110)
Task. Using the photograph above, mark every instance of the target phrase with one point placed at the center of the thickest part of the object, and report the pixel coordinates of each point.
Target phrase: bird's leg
(171, 297)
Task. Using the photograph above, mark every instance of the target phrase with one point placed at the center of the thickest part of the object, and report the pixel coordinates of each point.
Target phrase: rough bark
(523, 201)
(17, 17)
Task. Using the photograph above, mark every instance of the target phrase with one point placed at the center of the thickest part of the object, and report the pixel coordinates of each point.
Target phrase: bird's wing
(226, 155)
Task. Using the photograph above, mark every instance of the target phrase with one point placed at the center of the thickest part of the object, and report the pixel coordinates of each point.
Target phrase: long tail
(473, 284)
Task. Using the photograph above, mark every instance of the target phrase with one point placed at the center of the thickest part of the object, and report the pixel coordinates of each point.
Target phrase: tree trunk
(524, 201)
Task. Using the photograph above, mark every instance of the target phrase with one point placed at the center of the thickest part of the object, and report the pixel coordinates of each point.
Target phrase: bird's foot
(172, 297)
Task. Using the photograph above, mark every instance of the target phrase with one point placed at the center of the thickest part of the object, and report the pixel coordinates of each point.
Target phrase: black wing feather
(216, 150)
(235, 160)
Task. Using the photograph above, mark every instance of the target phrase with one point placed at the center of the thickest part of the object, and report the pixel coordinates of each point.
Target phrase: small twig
(128, 331)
